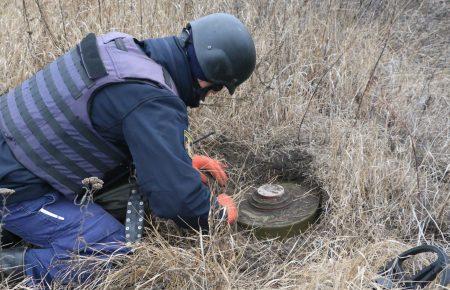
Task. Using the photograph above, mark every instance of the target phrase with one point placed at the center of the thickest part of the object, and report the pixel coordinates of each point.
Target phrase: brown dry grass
(352, 95)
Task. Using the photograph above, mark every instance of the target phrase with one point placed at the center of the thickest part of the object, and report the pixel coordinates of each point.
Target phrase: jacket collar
(169, 53)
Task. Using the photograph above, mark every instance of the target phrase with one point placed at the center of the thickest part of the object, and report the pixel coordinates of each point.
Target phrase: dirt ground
(350, 95)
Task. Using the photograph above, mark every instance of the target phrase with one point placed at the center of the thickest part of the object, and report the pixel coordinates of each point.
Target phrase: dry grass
(352, 95)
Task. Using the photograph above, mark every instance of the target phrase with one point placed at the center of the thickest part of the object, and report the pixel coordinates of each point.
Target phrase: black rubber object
(393, 275)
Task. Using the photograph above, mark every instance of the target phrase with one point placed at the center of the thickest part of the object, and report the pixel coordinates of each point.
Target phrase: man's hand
(229, 208)
(211, 166)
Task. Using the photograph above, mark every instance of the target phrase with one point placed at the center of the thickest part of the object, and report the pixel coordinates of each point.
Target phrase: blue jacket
(148, 122)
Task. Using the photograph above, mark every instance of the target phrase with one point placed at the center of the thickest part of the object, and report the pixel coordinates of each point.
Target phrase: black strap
(393, 275)
(76, 59)
(91, 57)
(134, 221)
(67, 78)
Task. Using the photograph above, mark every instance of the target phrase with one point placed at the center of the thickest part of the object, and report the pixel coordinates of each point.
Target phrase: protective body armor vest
(46, 122)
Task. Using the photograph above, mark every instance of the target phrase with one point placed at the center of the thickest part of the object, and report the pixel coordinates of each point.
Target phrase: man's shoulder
(118, 100)
(137, 89)
(129, 93)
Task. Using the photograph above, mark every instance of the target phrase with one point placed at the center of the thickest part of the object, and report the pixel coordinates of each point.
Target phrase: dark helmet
(224, 49)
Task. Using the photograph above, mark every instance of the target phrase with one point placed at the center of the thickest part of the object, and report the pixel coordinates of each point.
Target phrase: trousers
(57, 228)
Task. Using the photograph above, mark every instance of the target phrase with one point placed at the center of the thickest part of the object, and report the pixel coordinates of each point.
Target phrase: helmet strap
(202, 92)
(184, 37)
(199, 92)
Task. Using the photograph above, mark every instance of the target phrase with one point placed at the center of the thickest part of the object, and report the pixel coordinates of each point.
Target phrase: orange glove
(212, 166)
(230, 211)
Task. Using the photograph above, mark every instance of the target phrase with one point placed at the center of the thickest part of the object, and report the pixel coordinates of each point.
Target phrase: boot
(12, 263)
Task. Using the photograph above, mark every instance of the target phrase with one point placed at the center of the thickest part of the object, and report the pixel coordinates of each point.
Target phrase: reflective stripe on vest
(45, 120)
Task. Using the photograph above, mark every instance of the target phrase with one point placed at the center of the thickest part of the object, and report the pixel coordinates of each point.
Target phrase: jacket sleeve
(154, 133)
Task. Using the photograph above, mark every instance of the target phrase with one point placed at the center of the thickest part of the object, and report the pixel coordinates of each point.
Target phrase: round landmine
(283, 210)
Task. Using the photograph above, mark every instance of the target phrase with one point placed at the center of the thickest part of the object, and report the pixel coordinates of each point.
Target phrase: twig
(4, 193)
(204, 137)
(413, 146)
(323, 75)
(420, 227)
(372, 73)
(141, 18)
(369, 81)
(99, 12)
(63, 19)
(439, 218)
(27, 20)
(315, 91)
(29, 33)
(44, 20)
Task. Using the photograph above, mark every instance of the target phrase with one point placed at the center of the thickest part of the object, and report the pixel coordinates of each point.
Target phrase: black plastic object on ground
(393, 275)
(280, 210)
